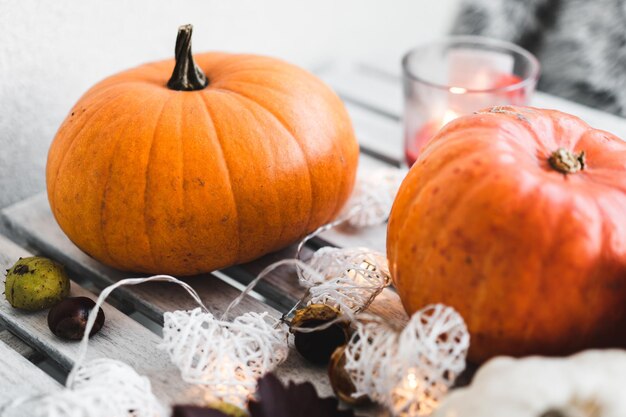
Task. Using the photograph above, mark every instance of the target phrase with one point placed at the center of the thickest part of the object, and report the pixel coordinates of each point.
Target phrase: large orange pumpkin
(516, 217)
(200, 172)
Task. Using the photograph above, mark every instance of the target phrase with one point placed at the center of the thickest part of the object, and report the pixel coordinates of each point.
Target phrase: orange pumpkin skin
(148, 179)
(532, 258)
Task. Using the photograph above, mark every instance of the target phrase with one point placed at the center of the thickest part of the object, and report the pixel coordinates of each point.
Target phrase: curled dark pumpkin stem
(187, 76)
(566, 161)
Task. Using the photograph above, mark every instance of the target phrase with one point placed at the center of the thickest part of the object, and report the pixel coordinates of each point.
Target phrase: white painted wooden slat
(373, 237)
(120, 338)
(33, 220)
(368, 164)
(378, 93)
(19, 377)
(18, 345)
(378, 135)
(124, 339)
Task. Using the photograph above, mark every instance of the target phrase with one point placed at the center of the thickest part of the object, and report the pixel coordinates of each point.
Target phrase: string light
(409, 370)
(373, 197)
(228, 356)
(345, 278)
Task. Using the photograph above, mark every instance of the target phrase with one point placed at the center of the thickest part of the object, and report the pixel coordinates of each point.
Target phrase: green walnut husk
(36, 283)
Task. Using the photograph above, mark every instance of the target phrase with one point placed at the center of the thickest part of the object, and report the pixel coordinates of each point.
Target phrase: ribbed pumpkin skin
(534, 260)
(148, 179)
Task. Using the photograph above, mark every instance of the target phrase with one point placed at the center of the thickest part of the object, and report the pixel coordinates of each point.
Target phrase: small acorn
(68, 319)
(217, 409)
(340, 380)
(317, 346)
(36, 283)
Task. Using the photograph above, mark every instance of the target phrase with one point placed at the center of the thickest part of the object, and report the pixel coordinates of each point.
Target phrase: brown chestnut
(340, 380)
(219, 409)
(68, 318)
(317, 346)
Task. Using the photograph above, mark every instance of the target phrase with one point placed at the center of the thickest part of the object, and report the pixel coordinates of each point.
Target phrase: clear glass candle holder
(460, 75)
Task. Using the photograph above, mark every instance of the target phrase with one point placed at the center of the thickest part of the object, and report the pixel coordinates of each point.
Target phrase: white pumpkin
(588, 384)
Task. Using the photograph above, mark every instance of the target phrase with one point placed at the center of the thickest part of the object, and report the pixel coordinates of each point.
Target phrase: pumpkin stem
(566, 161)
(187, 76)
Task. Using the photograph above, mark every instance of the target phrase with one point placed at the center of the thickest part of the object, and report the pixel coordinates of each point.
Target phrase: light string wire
(283, 320)
(64, 402)
(301, 268)
(353, 211)
(82, 349)
(411, 369)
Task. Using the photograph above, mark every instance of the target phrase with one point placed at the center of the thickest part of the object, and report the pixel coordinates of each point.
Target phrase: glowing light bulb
(411, 380)
(458, 90)
(448, 116)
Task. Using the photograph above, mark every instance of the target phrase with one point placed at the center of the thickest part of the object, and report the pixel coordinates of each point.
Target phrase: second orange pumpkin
(516, 217)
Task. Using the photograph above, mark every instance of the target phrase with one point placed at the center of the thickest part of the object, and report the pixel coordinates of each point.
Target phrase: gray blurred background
(52, 51)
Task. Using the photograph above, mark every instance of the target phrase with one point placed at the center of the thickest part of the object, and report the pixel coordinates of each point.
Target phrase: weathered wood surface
(20, 377)
(18, 345)
(121, 338)
(374, 100)
(124, 339)
(379, 135)
(377, 91)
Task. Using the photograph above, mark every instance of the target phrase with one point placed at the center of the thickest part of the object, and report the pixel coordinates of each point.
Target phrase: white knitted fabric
(368, 354)
(101, 388)
(346, 278)
(431, 354)
(409, 370)
(373, 197)
(369, 205)
(227, 356)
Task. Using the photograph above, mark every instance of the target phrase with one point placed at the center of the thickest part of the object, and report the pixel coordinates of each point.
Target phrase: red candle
(415, 144)
(424, 134)
(516, 96)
